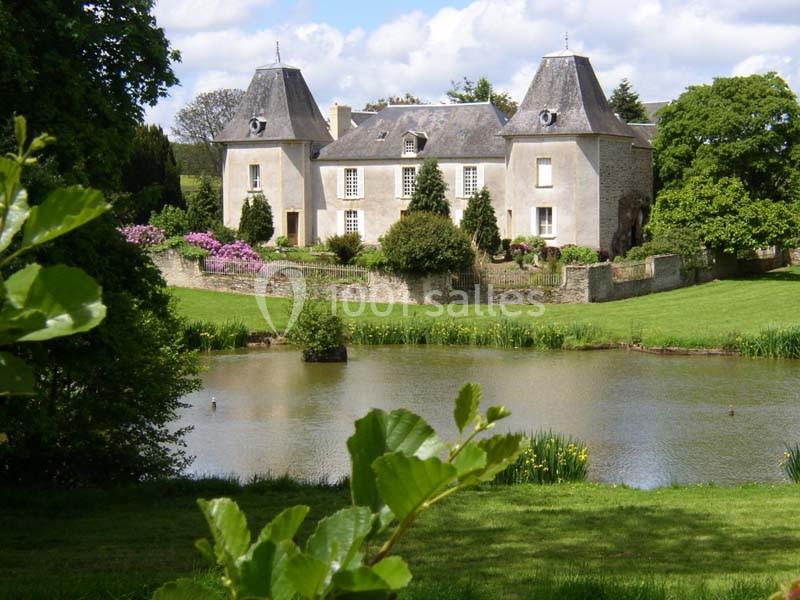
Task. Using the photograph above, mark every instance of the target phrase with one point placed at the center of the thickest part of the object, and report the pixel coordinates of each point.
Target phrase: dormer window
(413, 142)
(410, 146)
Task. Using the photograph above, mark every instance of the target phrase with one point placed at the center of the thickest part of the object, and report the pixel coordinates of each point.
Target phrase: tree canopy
(742, 127)
(381, 103)
(481, 91)
(429, 190)
(204, 117)
(83, 72)
(625, 102)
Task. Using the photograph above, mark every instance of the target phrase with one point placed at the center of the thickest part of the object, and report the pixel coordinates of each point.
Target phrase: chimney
(340, 120)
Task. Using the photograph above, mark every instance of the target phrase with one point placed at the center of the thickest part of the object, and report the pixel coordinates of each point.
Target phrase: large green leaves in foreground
(400, 468)
(40, 303)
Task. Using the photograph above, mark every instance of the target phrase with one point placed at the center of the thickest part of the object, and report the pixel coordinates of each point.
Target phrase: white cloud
(195, 15)
(661, 45)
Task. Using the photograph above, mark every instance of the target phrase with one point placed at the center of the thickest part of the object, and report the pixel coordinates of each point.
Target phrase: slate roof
(452, 130)
(651, 108)
(566, 84)
(359, 116)
(645, 132)
(279, 94)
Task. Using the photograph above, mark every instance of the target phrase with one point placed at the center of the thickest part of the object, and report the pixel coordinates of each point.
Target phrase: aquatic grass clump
(548, 458)
(207, 336)
(772, 342)
(791, 463)
(500, 334)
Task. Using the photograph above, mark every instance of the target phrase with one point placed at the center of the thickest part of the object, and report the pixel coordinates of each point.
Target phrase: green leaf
(307, 574)
(495, 413)
(378, 433)
(470, 459)
(390, 574)
(285, 525)
(62, 211)
(204, 548)
(20, 131)
(228, 527)
(405, 482)
(262, 572)
(16, 376)
(15, 323)
(70, 300)
(501, 451)
(338, 538)
(18, 211)
(184, 589)
(394, 571)
(467, 403)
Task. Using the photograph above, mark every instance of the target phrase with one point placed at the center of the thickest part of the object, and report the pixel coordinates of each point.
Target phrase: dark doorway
(292, 226)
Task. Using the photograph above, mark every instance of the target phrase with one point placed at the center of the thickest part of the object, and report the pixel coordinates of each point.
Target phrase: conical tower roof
(280, 100)
(565, 85)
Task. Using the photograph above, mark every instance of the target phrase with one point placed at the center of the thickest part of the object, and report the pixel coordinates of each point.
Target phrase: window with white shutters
(470, 181)
(351, 183)
(544, 217)
(544, 172)
(255, 177)
(351, 221)
(410, 146)
(409, 181)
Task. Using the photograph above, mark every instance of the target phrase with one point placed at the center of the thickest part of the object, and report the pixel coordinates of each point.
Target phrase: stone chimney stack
(341, 116)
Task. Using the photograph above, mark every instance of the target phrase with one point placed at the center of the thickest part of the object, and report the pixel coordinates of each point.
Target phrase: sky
(352, 52)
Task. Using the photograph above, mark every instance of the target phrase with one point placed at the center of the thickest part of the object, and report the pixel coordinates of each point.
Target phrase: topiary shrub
(429, 190)
(424, 243)
(255, 225)
(320, 332)
(346, 247)
(171, 220)
(480, 222)
(578, 255)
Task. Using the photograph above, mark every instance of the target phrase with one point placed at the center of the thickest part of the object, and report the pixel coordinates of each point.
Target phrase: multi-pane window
(470, 181)
(351, 221)
(544, 172)
(255, 177)
(544, 218)
(409, 146)
(351, 183)
(409, 181)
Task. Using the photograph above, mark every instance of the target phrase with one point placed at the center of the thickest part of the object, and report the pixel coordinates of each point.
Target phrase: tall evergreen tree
(429, 190)
(480, 222)
(625, 102)
(256, 224)
(204, 207)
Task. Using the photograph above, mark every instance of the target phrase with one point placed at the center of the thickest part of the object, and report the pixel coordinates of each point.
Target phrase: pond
(648, 420)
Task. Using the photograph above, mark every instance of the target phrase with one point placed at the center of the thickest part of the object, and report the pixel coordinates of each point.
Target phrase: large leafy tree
(204, 117)
(83, 71)
(742, 127)
(429, 190)
(723, 215)
(481, 91)
(480, 222)
(625, 102)
(381, 103)
(150, 176)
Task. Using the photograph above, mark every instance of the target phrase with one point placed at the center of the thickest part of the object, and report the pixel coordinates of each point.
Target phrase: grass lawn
(699, 316)
(190, 183)
(567, 541)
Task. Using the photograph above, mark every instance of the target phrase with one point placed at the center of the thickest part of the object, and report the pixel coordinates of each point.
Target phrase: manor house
(564, 167)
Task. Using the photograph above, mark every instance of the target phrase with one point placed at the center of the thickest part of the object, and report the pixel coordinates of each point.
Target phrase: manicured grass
(571, 541)
(699, 316)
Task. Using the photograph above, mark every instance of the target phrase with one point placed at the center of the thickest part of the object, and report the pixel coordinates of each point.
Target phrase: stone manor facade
(564, 167)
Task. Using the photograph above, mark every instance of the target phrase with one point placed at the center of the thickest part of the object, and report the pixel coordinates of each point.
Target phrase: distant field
(699, 316)
(190, 183)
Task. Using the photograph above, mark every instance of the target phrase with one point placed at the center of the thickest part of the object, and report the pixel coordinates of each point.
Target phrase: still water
(648, 420)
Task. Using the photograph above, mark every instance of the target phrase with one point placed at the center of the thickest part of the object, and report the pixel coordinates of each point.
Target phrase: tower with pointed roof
(576, 173)
(268, 148)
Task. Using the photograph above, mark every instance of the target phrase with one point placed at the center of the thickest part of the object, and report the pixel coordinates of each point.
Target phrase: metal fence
(254, 268)
(506, 279)
(631, 271)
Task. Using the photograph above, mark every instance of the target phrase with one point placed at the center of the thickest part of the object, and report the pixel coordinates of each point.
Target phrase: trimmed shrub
(346, 247)
(255, 225)
(580, 255)
(548, 458)
(171, 220)
(480, 222)
(429, 190)
(506, 244)
(318, 331)
(426, 243)
(204, 207)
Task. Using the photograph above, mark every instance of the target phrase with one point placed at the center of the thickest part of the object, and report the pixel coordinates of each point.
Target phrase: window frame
(351, 187)
(551, 222)
(255, 183)
(540, 161)
(413, 184)
(465, 179)
(350, 219)
(410, 141)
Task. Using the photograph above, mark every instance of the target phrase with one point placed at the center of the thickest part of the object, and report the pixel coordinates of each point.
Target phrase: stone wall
(794, 256)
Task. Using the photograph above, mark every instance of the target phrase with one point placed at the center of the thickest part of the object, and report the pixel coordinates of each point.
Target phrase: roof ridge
(437, 105)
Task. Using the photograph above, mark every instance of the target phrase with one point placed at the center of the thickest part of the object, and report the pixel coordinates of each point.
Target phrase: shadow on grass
(787, 275)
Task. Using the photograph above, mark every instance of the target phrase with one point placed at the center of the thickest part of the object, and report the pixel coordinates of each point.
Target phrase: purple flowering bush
(226, 258)
(204, 240)
(142, 235)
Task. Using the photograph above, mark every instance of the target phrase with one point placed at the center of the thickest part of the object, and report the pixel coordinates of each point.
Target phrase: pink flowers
(204, 240)
(228, 258)
(142, 235)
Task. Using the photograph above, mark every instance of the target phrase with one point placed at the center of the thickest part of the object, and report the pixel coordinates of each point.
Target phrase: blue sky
(351, 52)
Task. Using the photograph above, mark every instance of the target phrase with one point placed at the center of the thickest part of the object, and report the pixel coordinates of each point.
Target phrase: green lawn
(698, 316)
(190, 183)
(567, 541)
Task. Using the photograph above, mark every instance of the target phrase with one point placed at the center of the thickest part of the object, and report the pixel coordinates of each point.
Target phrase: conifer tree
(625, 102)
(204, 207)
(256, 224)
(429, 190)
(480, 222)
